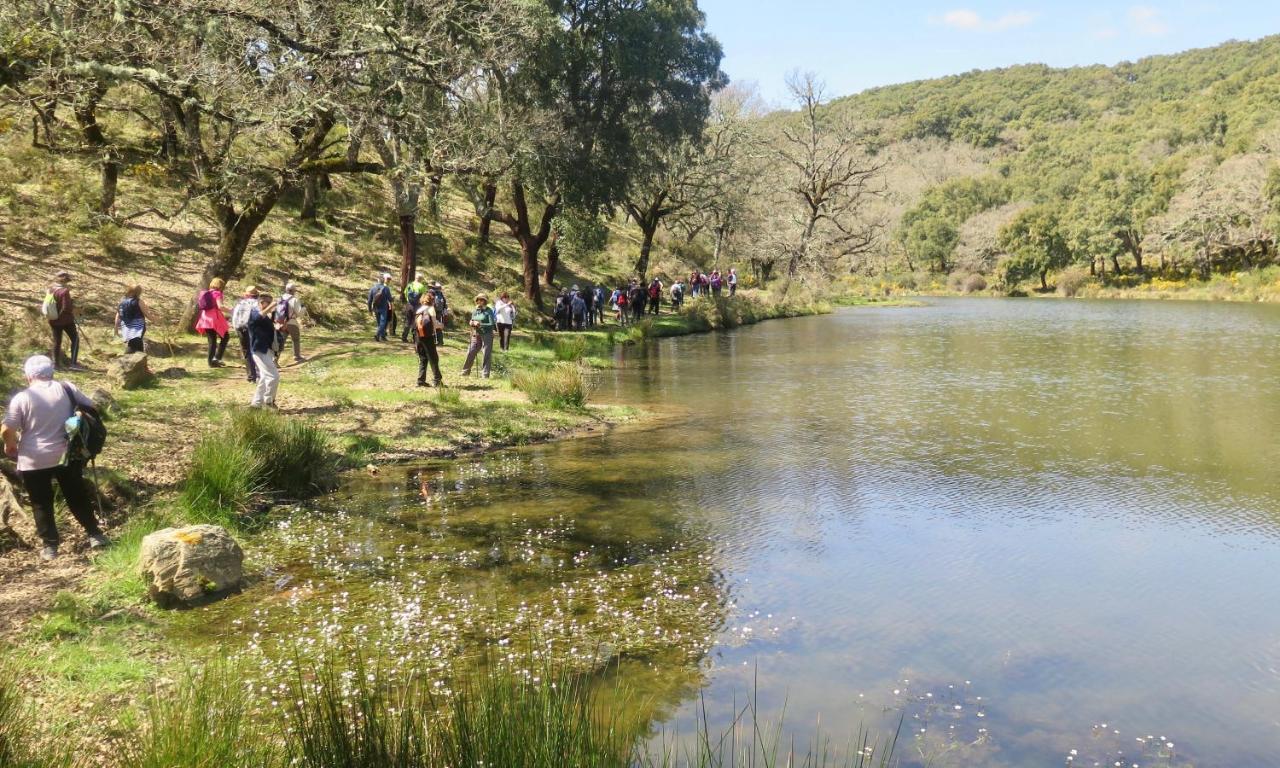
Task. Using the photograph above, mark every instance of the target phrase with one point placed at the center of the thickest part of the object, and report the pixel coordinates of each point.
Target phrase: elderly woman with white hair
(34, 434)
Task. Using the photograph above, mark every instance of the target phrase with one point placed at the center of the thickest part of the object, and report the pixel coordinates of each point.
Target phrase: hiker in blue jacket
(380, 305)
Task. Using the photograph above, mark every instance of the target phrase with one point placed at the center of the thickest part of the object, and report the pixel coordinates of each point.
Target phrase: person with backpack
(413, 293)
(289, 316)
(598, 304)
(240, 322)
(578, 310)
(505, 312)
(132, 315)
(619, 301)
(483, 323)
(655, 296)
(636, 297)
(733, 281)
(695, 284)
(212, 323)
(262, 343)
(442, 312)
(716, 283)
(425, 343)
(677, 295)
(34, 431)
(59, 310)
(560, 312)
(380, 305)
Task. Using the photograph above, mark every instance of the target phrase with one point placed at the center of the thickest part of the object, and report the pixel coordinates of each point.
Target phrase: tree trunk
(433, 197)
(1093, 267)
(86, 114)
(42, 122)
(310, 197)
(529, 247)
(646, 245)
(490, 196)
(766, 272)
(408, 251)
(553, 259)
(234, 233)
(1115, 264)
(1044, 279)
(720, 235)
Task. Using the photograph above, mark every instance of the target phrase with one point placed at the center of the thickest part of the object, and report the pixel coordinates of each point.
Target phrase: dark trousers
(654, 304)
(427, 355)
(133, 345)
(637, 311)
(247, 351)
(410, 327)
(217, 344)
(73, 336)
(39, 484)
(504, 336)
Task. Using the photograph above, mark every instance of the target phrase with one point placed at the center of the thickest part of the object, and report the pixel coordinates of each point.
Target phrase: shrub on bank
(1070, 282)
(262, 453)
(570, 348)
(563, 385)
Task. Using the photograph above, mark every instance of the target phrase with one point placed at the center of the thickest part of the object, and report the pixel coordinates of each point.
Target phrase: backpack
(205, 301)
(284, 310)
(240, 315)
(130, 310)
(86, 440)
(49, 307)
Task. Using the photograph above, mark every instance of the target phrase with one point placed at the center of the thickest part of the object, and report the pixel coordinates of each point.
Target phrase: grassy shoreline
(89, 652)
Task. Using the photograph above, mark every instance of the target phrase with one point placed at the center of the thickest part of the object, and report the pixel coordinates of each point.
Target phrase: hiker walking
(212, 323)
(598, 303)
(413, 299)
(380, 305)
(733, 281)
(655, 295)
(483, 323)
(240, 322)
(60, 310)
(34, 431)
(677, 295)
(636, 299)
(505, 312)
(262, 342)
(424, 343)
(619, 301)
(291, 311)
(578, 311)
(442, 311)
(131, 319)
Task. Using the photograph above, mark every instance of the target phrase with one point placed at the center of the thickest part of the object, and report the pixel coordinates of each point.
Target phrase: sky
(858, 44)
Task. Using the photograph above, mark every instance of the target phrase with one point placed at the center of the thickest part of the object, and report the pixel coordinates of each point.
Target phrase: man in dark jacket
(380, 305)
(636, 300)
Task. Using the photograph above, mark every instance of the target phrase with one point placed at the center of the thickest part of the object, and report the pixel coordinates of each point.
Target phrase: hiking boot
(98, 541)
(49, 552)
(422, 383)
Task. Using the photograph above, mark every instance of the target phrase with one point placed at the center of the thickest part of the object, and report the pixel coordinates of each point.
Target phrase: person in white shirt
(35, 436)
(505, 310)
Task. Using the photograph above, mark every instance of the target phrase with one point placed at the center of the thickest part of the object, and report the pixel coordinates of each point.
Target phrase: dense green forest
(1168, 164)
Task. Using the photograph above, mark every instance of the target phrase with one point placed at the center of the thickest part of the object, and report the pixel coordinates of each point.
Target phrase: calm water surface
(1008, 522)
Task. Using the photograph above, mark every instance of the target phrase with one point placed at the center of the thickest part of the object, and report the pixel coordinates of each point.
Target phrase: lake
(1021, 527)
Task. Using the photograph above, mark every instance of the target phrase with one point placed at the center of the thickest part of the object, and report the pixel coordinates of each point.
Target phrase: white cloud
(963, 18)
(1146, 20)
(1106, 33)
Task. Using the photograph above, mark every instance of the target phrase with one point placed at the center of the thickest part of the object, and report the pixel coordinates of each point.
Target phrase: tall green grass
(564, 385)
(570, 349)
(261, 454)
(20, 746)
(205, 722)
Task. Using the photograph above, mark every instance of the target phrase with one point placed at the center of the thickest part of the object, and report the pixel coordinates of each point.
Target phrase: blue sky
(857, 44)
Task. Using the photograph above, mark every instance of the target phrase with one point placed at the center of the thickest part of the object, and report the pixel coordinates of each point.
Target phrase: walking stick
(97, 490)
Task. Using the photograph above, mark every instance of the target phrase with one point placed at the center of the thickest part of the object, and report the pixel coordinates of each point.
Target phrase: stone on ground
(130, 371)
(192, 564)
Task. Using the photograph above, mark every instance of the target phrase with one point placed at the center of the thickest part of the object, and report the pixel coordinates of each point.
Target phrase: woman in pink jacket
(212, 323)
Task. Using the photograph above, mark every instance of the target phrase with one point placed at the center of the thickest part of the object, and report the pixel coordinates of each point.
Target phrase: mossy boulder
(192, 565)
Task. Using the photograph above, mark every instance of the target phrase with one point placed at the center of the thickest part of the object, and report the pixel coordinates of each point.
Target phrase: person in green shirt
(483, 323)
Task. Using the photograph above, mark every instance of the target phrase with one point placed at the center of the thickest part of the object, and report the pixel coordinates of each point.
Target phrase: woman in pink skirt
(212, 323)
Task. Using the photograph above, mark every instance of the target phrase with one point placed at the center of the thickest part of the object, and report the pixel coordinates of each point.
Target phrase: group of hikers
(578, 308)
(37, 429)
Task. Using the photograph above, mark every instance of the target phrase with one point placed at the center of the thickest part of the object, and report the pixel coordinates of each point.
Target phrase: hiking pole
(97, 490)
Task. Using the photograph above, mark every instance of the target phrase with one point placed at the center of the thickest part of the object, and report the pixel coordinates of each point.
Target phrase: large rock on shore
(191, 565)
(130, 371)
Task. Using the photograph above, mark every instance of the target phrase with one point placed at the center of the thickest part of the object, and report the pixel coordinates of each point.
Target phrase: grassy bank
(376, 715)
(1257, 285)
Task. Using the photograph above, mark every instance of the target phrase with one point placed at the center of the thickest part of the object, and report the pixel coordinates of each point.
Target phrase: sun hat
(481, 297)
(251, 291)
(62, 274)
(38, 367)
